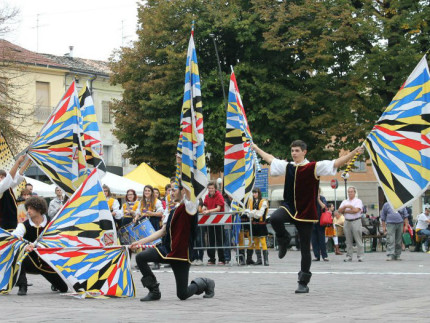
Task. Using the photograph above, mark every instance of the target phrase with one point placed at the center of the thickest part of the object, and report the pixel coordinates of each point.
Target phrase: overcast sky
(94, 27)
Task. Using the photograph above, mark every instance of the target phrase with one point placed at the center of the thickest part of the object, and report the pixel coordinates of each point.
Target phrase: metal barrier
(220, 231)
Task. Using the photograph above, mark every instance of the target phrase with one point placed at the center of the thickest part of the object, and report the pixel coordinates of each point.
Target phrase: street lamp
(219, 69)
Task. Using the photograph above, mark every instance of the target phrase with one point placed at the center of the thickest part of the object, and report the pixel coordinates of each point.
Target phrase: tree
(10, 113)
(322, 71)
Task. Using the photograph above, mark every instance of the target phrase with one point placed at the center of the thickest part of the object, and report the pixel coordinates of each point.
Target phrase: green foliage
(321, 71)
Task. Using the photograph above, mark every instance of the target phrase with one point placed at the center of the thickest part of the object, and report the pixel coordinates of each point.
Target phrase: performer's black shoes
(304, 279)
(22, 291)
(283, 243)
(266, 257)
(259, 259)
(154, 292)
(249, 253)
(205, 285)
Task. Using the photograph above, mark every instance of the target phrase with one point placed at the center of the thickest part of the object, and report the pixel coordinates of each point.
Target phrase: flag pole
(257, 163)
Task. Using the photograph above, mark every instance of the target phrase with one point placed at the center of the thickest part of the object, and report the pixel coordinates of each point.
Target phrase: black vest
(32, 233)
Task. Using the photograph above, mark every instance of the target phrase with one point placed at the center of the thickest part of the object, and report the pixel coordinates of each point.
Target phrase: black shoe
(259, 260)
(304, 279)
(316, 259)
(205, 285)
(249, 253)
(156, 266)
(283, 243)
(266, 257)
(153, 286)
(22, 290)
(54, 289)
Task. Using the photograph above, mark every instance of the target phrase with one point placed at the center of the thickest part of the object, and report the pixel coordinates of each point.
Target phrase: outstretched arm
(14, 169)
(267, 157)
(344, 159)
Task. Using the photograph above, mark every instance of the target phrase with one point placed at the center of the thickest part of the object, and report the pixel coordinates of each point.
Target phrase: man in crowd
(394, 224)
(214, 202)
(300, 197)
(423, 222)
(29, 186)
(351, 209)
(56, 203)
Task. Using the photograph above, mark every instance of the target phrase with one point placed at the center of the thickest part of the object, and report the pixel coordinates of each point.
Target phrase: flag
(11, 251)
(194, 172)
(91, 134)
(103, 271)
(239, 160)
(85, 220)
(399, 144)
(57, 149)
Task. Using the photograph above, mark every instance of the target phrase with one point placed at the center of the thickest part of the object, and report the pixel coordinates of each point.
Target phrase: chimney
(71, 51)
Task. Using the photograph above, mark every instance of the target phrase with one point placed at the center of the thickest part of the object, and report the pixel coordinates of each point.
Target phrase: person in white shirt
(300, 196)
(114, 206)
(352, 228)
(9, 180)
(423, 222)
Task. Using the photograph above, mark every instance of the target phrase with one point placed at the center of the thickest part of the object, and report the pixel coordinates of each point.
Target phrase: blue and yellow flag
(239, 160)
(11, 252)
(91, 139)
(85, 220)
(194, 172)
(93, 271)
(57, 149)
(399, 144)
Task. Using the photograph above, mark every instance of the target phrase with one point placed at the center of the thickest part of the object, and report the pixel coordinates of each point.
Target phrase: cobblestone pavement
(374, 290)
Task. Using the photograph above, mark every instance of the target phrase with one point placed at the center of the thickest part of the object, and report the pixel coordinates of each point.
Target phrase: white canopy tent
(40, 188)
(119, 185)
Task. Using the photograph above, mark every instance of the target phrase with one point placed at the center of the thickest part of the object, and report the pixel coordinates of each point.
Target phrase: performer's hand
(134, 245)
(254, 146)
(359, 150)
(29, 248)
(178, 158)
(21, 158)
(206, 212)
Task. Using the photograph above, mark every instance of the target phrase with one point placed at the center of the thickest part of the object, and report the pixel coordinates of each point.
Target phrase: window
(43, 106)
(107, 154)
(106, 118)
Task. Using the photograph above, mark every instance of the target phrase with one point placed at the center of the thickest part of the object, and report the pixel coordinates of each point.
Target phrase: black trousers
(49, 274)
(278, 220)
(180, 269)
(216, 239)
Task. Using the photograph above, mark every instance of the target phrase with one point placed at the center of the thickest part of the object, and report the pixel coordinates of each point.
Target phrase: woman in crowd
(338, 221)
(150, 207)
(129, 207)
(258, 208)
(113, 205)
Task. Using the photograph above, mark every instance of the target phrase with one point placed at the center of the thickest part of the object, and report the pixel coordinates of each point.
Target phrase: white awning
(119, 185)
(40, 188)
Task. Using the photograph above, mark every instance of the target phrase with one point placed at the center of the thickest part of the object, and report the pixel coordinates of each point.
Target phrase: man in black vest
(30, 230)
